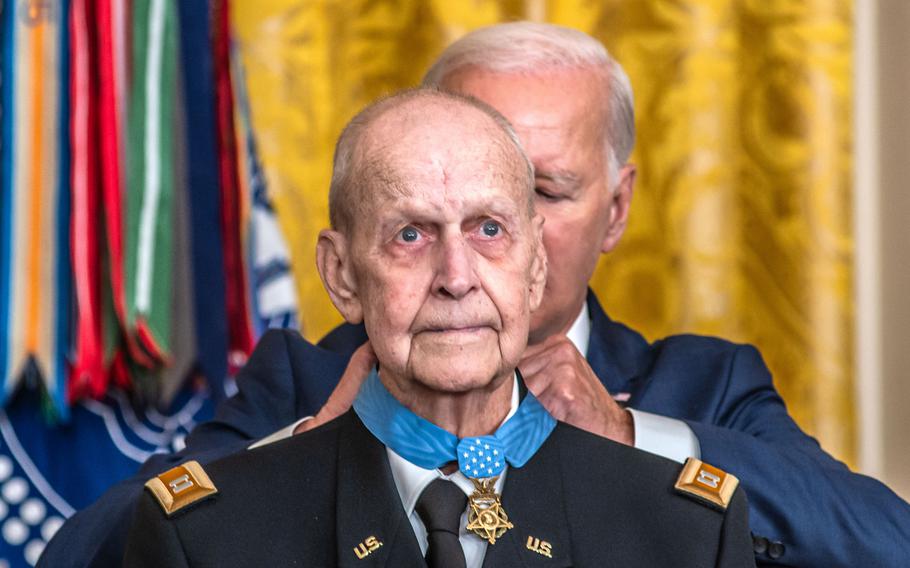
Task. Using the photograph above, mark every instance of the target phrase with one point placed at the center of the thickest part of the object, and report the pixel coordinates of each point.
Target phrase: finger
(306, 425)
(542, 382)
(362, 362)
(560, 363)
(546, 344)
(553, 405)
(531, 366)
(537, 374)
(556, 349)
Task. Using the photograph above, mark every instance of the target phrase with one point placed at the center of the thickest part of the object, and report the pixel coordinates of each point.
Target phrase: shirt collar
(411, 480)
(580, 332)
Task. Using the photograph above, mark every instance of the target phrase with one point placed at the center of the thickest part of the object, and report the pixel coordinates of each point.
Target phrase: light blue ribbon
(426, 445)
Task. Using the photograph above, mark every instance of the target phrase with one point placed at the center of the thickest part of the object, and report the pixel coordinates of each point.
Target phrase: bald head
(379, 145)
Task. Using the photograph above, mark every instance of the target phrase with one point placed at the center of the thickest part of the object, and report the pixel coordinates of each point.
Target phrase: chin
(457, 362)
(456, 374)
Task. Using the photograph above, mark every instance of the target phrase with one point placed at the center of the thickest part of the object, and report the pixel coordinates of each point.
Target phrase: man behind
(692, 396)
(436, 247)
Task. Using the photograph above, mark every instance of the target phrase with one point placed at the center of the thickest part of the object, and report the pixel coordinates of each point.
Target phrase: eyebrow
(502, 206)
(559, 177)
(414, 210)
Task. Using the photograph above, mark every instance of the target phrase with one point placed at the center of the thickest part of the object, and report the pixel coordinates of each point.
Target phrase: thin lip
(457, 329)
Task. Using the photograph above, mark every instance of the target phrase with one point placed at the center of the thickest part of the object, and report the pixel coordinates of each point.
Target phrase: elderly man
(436, 248)
(684, 395)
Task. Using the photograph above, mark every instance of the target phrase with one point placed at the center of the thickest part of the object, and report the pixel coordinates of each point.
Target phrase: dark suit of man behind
(311, 500)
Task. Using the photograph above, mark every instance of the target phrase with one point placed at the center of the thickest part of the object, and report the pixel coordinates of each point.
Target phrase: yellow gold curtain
(741, 220)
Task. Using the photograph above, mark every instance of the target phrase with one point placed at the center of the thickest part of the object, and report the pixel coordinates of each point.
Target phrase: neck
(477, 412)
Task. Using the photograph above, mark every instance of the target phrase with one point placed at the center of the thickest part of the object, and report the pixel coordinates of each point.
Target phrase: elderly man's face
(559, 117)
(445, 259)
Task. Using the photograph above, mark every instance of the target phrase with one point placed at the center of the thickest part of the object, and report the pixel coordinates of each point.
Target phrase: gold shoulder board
(706, 484)
(182, 486)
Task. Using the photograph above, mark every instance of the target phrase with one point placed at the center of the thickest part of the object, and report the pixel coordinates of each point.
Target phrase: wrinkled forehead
(434, 126)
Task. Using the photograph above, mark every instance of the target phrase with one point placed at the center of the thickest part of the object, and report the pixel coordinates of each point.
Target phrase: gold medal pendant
(486, 518)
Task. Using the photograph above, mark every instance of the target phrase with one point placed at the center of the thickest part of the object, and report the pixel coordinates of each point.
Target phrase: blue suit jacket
(799, 496)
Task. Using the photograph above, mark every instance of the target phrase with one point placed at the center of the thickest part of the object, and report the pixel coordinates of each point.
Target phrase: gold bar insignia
(708, 484)
(180, 487)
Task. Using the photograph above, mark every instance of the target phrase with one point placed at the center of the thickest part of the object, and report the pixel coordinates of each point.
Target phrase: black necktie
(440, 507)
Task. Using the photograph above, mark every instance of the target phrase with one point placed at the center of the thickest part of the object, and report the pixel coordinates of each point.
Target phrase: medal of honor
(486, 517)
(482, 459)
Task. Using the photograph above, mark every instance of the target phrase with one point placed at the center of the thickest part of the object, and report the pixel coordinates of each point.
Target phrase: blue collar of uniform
(427, 445)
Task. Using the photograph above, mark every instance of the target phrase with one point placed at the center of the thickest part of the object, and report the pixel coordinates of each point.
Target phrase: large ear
(538, 264)
(337, 273)
(619, 208)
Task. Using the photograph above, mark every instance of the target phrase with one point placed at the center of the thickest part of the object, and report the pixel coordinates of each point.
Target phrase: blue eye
(409, 234)
(490, 228)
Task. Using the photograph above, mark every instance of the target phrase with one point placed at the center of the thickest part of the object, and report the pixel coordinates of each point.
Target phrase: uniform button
(775, 550)
(759, 544)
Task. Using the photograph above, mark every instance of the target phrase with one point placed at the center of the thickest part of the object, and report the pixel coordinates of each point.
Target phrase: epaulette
(181, 486)
(706, 484)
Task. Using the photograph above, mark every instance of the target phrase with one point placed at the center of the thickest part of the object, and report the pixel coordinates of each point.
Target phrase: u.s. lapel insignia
(181, 486)
(541, 547)
(368, 546)
(486, 517)
(706, 483)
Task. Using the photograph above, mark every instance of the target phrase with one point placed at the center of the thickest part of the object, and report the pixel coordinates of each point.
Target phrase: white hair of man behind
(530, 47)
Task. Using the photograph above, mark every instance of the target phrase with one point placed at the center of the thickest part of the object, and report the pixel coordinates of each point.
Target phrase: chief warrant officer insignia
(706, 484)
(180, 487)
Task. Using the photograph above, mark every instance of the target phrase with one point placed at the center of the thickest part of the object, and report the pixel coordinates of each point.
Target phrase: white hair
(530, 47)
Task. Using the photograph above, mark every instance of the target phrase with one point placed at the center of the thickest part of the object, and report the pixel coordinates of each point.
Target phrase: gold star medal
(486, 518)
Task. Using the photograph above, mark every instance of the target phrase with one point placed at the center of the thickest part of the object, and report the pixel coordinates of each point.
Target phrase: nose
(456, 274)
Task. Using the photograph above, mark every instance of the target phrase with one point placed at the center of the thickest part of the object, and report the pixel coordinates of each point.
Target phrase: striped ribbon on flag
(8, 351)
(209, 305)
(239, 327)
(112, 88)
(273, 296)
(64, 279)
(119, 344)
(150, 176)
(113, 53)
(172, 379)
(36, 192)
(88, 374)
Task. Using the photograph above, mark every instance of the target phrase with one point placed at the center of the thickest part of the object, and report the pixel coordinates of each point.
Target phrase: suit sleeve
(267, 399)
(817, 510)
(735, 542)
(153, 541)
